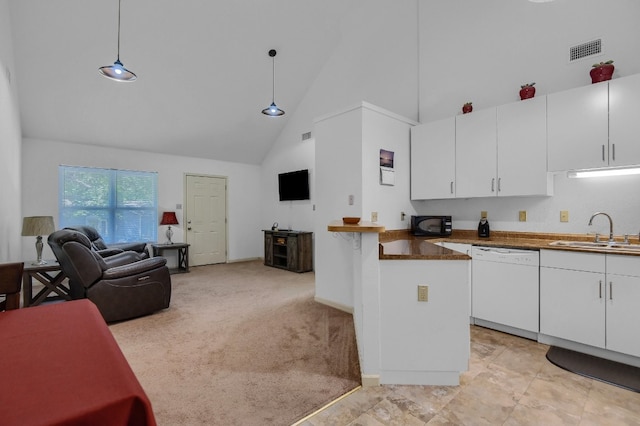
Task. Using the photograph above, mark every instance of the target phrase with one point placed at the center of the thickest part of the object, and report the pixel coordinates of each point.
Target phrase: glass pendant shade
(117, 71)
(273, 110)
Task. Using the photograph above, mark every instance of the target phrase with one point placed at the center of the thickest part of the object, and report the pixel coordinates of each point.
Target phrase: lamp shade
(37, 225)
(169, 218)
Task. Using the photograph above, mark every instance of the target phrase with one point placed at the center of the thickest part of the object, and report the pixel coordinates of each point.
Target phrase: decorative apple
(467, 107)
(527, 91)
(601, 71)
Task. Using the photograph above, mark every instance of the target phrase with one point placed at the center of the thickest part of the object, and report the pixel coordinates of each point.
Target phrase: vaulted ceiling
(203, 71)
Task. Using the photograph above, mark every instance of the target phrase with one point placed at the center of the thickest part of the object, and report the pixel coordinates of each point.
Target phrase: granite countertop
(417, 249)
(400, 244)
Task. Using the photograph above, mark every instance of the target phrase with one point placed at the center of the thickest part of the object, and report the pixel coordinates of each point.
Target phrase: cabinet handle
(610, 290)
(451, 185)
(499, 182)
(613, 152)
(600, 289)
(603, 153)
(493, 184)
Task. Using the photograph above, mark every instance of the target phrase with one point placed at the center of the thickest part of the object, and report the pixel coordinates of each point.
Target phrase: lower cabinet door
(623, 314)
(572, 305)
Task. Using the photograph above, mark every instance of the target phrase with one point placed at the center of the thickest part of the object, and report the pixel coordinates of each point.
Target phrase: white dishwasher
(505, 289)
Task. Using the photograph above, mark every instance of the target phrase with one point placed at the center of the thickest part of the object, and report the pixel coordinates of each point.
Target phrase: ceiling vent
(585, 50)
(306, 136)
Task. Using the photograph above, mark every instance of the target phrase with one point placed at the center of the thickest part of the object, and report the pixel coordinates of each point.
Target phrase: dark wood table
(183, 255)
(51, 276)
(62, 366)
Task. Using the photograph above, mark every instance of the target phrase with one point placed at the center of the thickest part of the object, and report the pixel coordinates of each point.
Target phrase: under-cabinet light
(603, 172)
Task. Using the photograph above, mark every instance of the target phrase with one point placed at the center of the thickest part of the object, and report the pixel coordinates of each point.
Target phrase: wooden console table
(289, 250)
(183, 255)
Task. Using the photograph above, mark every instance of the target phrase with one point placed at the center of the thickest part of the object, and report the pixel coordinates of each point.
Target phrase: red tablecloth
(60, 365)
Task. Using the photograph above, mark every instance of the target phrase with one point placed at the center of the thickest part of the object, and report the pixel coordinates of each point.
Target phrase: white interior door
(206, 217)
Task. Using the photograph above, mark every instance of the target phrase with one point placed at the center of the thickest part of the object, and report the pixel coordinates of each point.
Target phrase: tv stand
(290, 250)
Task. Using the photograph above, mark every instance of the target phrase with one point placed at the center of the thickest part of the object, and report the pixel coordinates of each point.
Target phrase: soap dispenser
(483, 228)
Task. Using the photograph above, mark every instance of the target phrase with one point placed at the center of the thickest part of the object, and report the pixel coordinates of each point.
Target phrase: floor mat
(615, 373)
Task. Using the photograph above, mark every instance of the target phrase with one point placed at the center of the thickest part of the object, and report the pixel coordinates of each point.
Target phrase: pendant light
(273, 110)
(117, 71)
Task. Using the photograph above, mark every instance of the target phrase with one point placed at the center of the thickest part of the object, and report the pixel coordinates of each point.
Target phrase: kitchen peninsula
(410, 308)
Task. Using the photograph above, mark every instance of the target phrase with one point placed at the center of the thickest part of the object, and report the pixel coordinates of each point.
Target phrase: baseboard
(339, 306)
(248, 259)
(370, 380)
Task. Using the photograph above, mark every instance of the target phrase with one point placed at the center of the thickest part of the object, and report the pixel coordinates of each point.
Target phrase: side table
(51, 276)
(183, 255)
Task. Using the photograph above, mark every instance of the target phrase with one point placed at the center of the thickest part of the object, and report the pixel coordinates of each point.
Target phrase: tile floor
(509, 382)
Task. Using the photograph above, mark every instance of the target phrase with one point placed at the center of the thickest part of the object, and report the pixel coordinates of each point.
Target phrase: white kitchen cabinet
(622, 301)
(433, 159)
(522, 148)
(572, 304)
(577, 128)
(624, 125)
(476, 154)
(591, 299)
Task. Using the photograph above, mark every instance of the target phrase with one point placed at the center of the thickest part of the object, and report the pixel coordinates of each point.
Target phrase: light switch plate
(564, 215)
(423, 293)
(522, 216)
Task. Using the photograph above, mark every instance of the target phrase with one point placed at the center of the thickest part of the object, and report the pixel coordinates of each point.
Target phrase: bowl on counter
(350, 220)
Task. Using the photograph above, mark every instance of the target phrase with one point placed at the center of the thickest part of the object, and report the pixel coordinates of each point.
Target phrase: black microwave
(435, 226)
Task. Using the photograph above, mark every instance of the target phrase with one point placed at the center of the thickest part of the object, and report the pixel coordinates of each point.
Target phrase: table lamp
(38, 226)
(169, 218)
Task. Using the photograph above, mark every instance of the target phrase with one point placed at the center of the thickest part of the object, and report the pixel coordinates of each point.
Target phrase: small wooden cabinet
(289, 250)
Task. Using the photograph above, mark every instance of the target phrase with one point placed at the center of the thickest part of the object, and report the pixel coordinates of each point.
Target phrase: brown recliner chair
(121, 289)
(98, 244)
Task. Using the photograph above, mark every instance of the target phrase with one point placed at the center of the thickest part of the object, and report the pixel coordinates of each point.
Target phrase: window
(121, 204)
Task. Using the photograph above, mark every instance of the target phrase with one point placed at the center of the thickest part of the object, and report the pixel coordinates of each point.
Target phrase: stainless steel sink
(601, 245)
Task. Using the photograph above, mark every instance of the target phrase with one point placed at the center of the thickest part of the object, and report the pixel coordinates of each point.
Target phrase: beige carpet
(241, 344)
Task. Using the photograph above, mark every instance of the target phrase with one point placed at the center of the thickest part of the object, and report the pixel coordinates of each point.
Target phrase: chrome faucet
(610, 224)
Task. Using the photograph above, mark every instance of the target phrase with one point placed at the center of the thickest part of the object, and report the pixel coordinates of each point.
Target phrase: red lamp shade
(169, 218)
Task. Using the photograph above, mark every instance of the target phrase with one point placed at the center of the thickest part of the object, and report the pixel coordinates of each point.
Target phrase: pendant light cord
(273, 76)
(119, 3)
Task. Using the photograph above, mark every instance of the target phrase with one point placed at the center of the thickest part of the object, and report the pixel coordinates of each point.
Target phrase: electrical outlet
(423, 293)
(564, 215)
(351, 200)
(374, 216)
(522, 216)
(483, 214)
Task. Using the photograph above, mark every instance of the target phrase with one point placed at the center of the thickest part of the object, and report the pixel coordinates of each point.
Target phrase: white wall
(375, 62)
(347, 163)
(40, 187)
(483, 51)
(385, 130)
(10, 141)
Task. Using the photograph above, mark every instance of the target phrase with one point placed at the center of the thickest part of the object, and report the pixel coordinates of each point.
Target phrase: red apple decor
(467, 107)
(527, 91)
(601, 71)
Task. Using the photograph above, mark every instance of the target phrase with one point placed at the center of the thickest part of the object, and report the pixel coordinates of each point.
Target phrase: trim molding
(339, 306)
(370, 380)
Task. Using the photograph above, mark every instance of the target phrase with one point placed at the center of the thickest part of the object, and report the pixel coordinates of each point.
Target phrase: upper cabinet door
(577, 131)
(433, 160)
(624, 121)
(476, 158)
(522, 148)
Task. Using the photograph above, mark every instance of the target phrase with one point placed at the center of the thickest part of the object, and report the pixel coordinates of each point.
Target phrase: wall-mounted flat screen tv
(294, 185)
